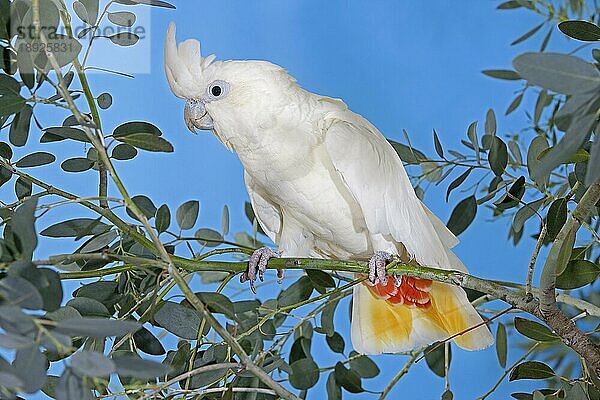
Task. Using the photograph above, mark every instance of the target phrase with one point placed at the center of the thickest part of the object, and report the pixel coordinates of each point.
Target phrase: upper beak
(196, 116)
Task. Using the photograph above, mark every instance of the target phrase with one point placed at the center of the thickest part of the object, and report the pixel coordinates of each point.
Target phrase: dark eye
(216, 90)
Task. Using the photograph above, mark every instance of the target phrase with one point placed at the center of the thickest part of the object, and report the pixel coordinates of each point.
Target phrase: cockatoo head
(223, 96)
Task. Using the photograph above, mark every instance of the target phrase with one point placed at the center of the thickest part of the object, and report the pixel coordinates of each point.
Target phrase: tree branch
(559, 255)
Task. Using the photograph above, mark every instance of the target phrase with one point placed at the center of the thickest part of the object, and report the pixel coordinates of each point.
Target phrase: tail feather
(379, 326)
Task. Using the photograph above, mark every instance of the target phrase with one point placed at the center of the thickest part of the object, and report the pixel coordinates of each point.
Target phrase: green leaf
(515, 150)
(58, 133)
(347, 378)
(145, 205)
(9, 85)
(546, 39)
(462, 215)
(70, 48)
(11, 104)
(75, 227)
(163, 218)
(20, 292)
(435, 359)
(458, 181)
(31, 365)
(225, 220)
(336, 343)
(408, 154)
(147, 141)
(575, 136)
(447, 395)
(187, 214)
(514, 104)
(155, 3)
(5, 151)
(535, 330)
(104, 101)
(19, 129)
(23, 188)
(304, 374)
(505, 74)
(327, 317)
(148, 343)
(472, 135)
(524, 213)
(536, 147)
(136, 127)
(100, 290)
(514, 195)
(35, 160)
(498, 156)
(320, 278)
(78, 164)
(98, 242)
(540, 104)
(96, 327)
(363, 366)
(71, 386)
(558, 72)
(181, 321)
(209, 237)
(509, 5)
(578, 273)
(122, 18)
(490, 123)
(556, 218)
(501, 344)
(47, 283)
(527, 35)
(124, 39)
(531, 370)
(136, 367)
(124, 151)
(438, 146)
(23, 226)
(580, 30)
(297, 292)
(89, 307)
(334, 391)
(87, 10)
(217, 303)
(92, 363)
(593, 169)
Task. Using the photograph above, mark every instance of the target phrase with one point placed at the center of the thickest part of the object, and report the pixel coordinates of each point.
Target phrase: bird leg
(257, 265)
(377, 264)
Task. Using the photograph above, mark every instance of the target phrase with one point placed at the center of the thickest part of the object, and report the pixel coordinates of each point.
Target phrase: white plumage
(324, 182)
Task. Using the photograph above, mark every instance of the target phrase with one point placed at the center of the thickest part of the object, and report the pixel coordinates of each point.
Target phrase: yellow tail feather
(379, 326)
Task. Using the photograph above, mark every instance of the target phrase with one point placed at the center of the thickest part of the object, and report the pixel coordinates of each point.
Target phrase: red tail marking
(412, 292)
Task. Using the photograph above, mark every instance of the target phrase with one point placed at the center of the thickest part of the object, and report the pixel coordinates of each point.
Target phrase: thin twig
(400, 374)
(189, 374)
(508, 370)
(534, 256)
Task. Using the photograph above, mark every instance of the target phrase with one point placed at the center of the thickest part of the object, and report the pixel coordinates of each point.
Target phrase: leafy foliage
(534, 178)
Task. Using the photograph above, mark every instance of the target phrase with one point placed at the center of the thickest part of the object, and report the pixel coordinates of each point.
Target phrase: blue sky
(403, 65)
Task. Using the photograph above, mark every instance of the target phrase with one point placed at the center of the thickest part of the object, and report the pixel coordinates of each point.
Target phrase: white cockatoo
(325, 183)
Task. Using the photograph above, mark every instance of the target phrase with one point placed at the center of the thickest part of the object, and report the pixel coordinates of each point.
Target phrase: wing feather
(267, 214)
(375, 176)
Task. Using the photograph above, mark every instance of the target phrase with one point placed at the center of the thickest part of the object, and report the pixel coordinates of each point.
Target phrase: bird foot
(257, 265)
(377, 272)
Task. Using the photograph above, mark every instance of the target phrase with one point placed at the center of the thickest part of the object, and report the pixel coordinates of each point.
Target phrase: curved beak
(196, 116)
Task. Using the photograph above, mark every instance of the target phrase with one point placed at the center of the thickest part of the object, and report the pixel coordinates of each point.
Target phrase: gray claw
(257, 265)
(377, 264)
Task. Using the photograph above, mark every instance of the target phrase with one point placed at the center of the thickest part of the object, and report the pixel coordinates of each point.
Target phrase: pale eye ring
(217, 90)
